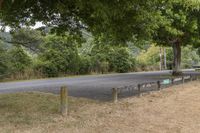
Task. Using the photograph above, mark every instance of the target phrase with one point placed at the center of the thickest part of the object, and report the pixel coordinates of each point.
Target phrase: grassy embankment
(175, 109)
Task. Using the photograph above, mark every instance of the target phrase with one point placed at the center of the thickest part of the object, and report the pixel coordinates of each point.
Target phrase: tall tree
(180, 27)
(118, 20)
(26, 37)
(177, 21)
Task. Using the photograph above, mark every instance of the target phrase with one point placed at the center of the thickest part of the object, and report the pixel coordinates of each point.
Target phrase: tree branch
(24, 44)
(1, 1)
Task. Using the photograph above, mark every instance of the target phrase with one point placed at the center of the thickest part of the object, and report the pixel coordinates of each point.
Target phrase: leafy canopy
(117, 20)
(180, 23)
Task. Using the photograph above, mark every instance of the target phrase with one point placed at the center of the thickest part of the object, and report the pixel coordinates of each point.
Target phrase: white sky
(37, 25)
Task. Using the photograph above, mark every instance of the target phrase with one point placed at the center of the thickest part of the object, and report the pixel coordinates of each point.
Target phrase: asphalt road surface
(94, 86)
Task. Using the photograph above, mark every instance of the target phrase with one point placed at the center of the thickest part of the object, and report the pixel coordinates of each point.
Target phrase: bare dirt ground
(173, 110)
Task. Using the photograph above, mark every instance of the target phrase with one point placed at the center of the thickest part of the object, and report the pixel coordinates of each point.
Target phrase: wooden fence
(157, 85)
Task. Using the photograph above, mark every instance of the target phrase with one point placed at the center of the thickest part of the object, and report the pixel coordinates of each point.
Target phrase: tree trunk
(177, 58)
(165, 59)
(161, 62)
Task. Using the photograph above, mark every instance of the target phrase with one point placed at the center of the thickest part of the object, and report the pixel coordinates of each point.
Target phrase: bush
(104, 66)
(120, 60)
(3, 60)
(149, 57)
(133, 64)
(100, 63)
(47, 68)
(85, 65)
(19, 60)
(189, 57)
(60, 55)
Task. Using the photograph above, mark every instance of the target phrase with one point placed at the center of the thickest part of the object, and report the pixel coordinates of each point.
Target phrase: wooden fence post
(63, 100)
(159, 86)
(183, 79)
(172, 80)
(139, 89)
(114, 94)
(190, 77)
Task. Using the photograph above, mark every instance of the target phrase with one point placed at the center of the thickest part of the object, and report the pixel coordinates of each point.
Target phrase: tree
(117, 20)
(148, 58)
(172, 22)
(25, 37)
(111, 57)
(19, 60)
(120, 60)
(180, 27)
(189, 57)
(59, 55)
(3, 59)
(85, 65)
(28, 38)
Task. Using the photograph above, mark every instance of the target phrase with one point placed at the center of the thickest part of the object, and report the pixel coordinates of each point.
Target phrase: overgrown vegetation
(47, 55)
(83, 37)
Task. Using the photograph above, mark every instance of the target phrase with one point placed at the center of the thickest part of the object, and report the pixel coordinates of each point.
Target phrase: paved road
(96, 87)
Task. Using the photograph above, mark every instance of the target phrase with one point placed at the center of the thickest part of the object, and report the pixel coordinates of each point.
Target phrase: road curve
(94, 86)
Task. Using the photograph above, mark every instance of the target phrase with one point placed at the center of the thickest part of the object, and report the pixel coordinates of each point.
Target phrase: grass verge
(21, 111)
(175, 109)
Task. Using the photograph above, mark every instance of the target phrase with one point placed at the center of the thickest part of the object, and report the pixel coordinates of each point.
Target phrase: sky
(37, 25)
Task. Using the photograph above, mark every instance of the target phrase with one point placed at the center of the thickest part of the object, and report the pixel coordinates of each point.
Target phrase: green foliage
(61, 54)
(100, 62)
(85, 65)
(3, 59)
(28, 38)
(19, 60)
(116, 20)
(47, 68)
(112, 58)
(169, 57)
(149, 57)
(180, 24)
(190, 57)
(120, 60)
(170, 23)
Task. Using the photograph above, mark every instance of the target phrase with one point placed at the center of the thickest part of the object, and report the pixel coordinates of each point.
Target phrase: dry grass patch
(22, 111)
(176, 109)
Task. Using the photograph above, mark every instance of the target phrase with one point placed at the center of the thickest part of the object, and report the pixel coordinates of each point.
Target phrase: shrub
(19, 60)
(120, 60)
(3, 60)
(47, 68)
(85, 65)
(60, 55)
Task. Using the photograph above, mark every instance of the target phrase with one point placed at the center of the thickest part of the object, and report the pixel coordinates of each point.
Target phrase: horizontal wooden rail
(158, 85)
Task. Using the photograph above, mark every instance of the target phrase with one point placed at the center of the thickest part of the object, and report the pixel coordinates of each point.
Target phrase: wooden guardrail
(156, 84)
(115, 91)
